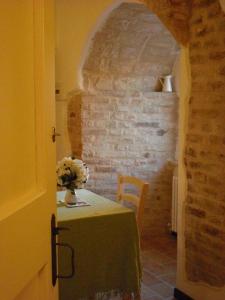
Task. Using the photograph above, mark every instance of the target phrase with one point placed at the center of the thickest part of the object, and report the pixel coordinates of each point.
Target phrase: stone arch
(125, 117)
(100, 22)
(132, 44)
(175, 15)
(204, 230)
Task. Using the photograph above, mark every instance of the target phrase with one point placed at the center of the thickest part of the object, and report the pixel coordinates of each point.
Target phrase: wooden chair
(135, 200)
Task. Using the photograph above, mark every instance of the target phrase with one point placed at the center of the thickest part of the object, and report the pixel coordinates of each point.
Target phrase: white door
(27, 154)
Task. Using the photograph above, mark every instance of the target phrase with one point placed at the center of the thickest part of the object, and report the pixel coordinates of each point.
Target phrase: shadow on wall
(75, 123)
(125, 126)
(158, 204)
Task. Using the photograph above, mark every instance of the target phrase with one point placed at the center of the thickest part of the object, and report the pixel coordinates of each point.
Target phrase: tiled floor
(159, 268)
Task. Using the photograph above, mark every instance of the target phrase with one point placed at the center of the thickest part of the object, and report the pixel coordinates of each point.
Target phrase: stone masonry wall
(135, 136)
(129, 54)
(205, 151)
(128, 127)
(74, 123)
(175, 15)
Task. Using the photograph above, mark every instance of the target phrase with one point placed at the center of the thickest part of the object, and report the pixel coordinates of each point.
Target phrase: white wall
(62, 142)
(76, 23)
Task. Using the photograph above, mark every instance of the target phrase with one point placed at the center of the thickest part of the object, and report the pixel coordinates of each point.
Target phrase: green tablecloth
(105, 239)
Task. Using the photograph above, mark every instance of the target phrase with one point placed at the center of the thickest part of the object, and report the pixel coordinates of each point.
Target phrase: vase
(70, 197)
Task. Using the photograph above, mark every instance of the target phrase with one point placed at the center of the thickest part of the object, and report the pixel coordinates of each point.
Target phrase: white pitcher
(166, 82)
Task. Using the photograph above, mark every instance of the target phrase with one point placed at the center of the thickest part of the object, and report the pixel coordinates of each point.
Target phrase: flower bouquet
(72, 174)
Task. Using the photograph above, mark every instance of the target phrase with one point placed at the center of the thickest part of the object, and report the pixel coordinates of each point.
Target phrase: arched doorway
(128, 124)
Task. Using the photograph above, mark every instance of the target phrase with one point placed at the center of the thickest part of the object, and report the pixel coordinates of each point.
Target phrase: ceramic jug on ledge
(166, 82)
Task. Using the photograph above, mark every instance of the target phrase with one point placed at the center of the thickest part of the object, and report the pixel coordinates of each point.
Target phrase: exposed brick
(191, 152)
(215, 12)
(104, 169)
(211, 230)
(205, 224)
(72, 115)
(146, 124)
(198, 20)
(222, 71)
(127, 125)
(196, 212)
(140, 155)
(109, 154)
(217, 55)
(203, 3)
(161, 132)
(203, 32)
(175, 14)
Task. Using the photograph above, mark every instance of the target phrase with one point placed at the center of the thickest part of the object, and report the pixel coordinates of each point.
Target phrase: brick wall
(205, 151)
(128, 127)
(175, 15)
(135, 136)
(130, 52)
(205, 158)
(74, 123)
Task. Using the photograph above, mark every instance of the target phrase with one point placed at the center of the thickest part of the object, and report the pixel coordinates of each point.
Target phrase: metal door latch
(54, 134)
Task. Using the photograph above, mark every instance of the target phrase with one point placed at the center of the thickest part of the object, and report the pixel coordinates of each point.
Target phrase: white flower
(72, 173)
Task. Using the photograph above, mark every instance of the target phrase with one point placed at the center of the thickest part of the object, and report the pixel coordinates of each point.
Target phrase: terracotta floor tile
(155, 298)
(169, 268)
(158, 256)
(149, 279)
(146, 293)
(155, 268)
(164, 290)
(171, 254)
(160, 269)
(169, 278)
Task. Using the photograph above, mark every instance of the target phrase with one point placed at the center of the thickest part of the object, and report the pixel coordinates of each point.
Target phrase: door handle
(54, 134)
(65, 245)
(54, 232)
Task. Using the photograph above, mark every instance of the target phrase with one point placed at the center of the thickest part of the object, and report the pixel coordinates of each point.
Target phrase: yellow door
(27, 153)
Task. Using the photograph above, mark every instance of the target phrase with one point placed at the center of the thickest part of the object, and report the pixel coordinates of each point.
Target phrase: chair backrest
(136, 200)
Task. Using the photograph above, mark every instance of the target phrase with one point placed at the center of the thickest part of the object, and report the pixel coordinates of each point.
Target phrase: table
(105, 238)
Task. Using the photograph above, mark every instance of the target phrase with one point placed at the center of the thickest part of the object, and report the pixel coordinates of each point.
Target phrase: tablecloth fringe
(114, 295)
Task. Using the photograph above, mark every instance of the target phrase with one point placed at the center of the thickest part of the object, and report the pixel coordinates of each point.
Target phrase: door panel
(24, 247)
(27, 154)
(34, 289)
(17, 99)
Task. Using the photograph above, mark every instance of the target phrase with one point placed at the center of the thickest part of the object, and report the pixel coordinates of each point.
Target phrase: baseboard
(179, 295)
